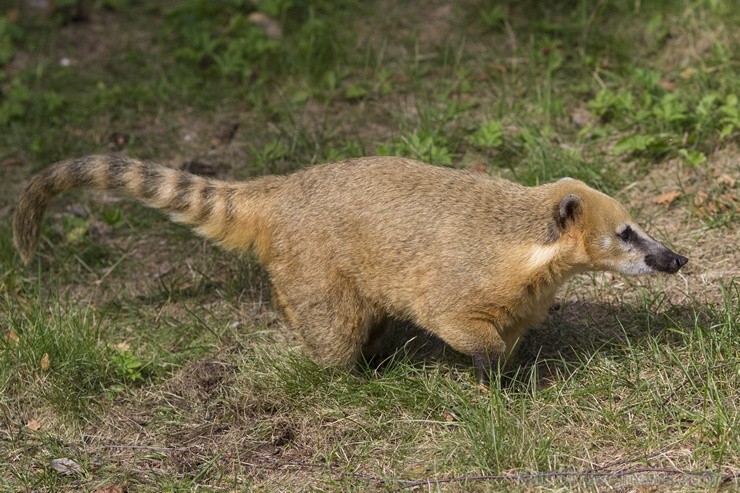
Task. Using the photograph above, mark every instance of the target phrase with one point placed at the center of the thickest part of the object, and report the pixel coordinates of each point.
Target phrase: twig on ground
(588, 474)
(148, 447)
(519, 477)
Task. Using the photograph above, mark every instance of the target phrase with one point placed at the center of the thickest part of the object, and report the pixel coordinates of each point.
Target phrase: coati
(473, 259)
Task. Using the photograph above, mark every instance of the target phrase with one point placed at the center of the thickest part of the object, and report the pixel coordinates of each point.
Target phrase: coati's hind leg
(333, 323)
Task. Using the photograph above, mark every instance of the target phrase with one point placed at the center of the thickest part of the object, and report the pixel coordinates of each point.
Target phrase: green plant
(112, 216)
(694, 158)
(729, 113)
(660, 123)
(127, 365)
(490, 135)
(346, 150)
(609, 105)
(75, 228)
(273, 151)
(422, 147)
(493, 17)
(15, 101)
(7, 43)
(638, 143)
(221, 37)
(670, 110)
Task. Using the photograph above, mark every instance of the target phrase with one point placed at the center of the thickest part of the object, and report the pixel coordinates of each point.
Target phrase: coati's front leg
(485, 364)
(477, 338)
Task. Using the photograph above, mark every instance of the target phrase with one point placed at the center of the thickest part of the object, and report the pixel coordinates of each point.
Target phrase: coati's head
(607, 235)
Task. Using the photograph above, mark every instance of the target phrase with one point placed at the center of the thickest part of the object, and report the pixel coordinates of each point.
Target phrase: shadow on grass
(568, 338)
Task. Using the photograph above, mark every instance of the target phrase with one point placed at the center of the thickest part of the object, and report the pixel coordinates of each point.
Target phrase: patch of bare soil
(201, 419)
(173, 429)
(99, 38)
(87, 41)
(688, 42)
(701, 222)
(431, 23)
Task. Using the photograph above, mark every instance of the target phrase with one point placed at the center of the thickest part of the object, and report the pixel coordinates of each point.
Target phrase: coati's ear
(571, 207)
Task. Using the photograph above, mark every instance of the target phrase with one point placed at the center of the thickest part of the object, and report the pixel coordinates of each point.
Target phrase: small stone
(66, 466)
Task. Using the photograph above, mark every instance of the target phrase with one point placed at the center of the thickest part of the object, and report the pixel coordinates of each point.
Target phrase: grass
(155, 361)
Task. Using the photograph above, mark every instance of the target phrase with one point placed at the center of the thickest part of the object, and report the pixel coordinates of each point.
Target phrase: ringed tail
(233, 214)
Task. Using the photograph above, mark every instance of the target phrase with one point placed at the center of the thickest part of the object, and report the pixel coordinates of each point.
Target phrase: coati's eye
(626, 234)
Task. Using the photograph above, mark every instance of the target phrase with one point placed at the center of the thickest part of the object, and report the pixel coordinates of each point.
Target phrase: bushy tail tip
(27, 226)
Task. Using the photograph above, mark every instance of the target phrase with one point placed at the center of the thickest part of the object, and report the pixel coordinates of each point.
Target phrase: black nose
(665, 261)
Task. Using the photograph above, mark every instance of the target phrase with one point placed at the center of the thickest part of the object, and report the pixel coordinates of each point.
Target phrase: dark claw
(485, 365)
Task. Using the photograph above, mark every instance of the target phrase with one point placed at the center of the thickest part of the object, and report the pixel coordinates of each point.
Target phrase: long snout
(665, 260)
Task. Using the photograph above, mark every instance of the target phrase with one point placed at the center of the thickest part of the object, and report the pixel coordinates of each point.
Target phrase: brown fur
(475, 260)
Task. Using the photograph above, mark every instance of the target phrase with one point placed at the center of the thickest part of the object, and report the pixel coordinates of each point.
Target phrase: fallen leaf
(270, 26)
(112, 488)
(667, 198)
(700, 198)
(11, 161)
(729, 197)
(33, 425)
(725, 179)
(667, 85)
(419, 470)
(12, 336)
(647, 489)
(45, 362)
(163, 268)
(479, 168)
(581, 117)
(226, 135)
(122, 346)
(66, 466)
(500, 67)
(13, 15)
(688, 73)
(118, 141)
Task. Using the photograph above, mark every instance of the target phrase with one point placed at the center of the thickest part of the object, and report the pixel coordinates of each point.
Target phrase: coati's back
(393, 202)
